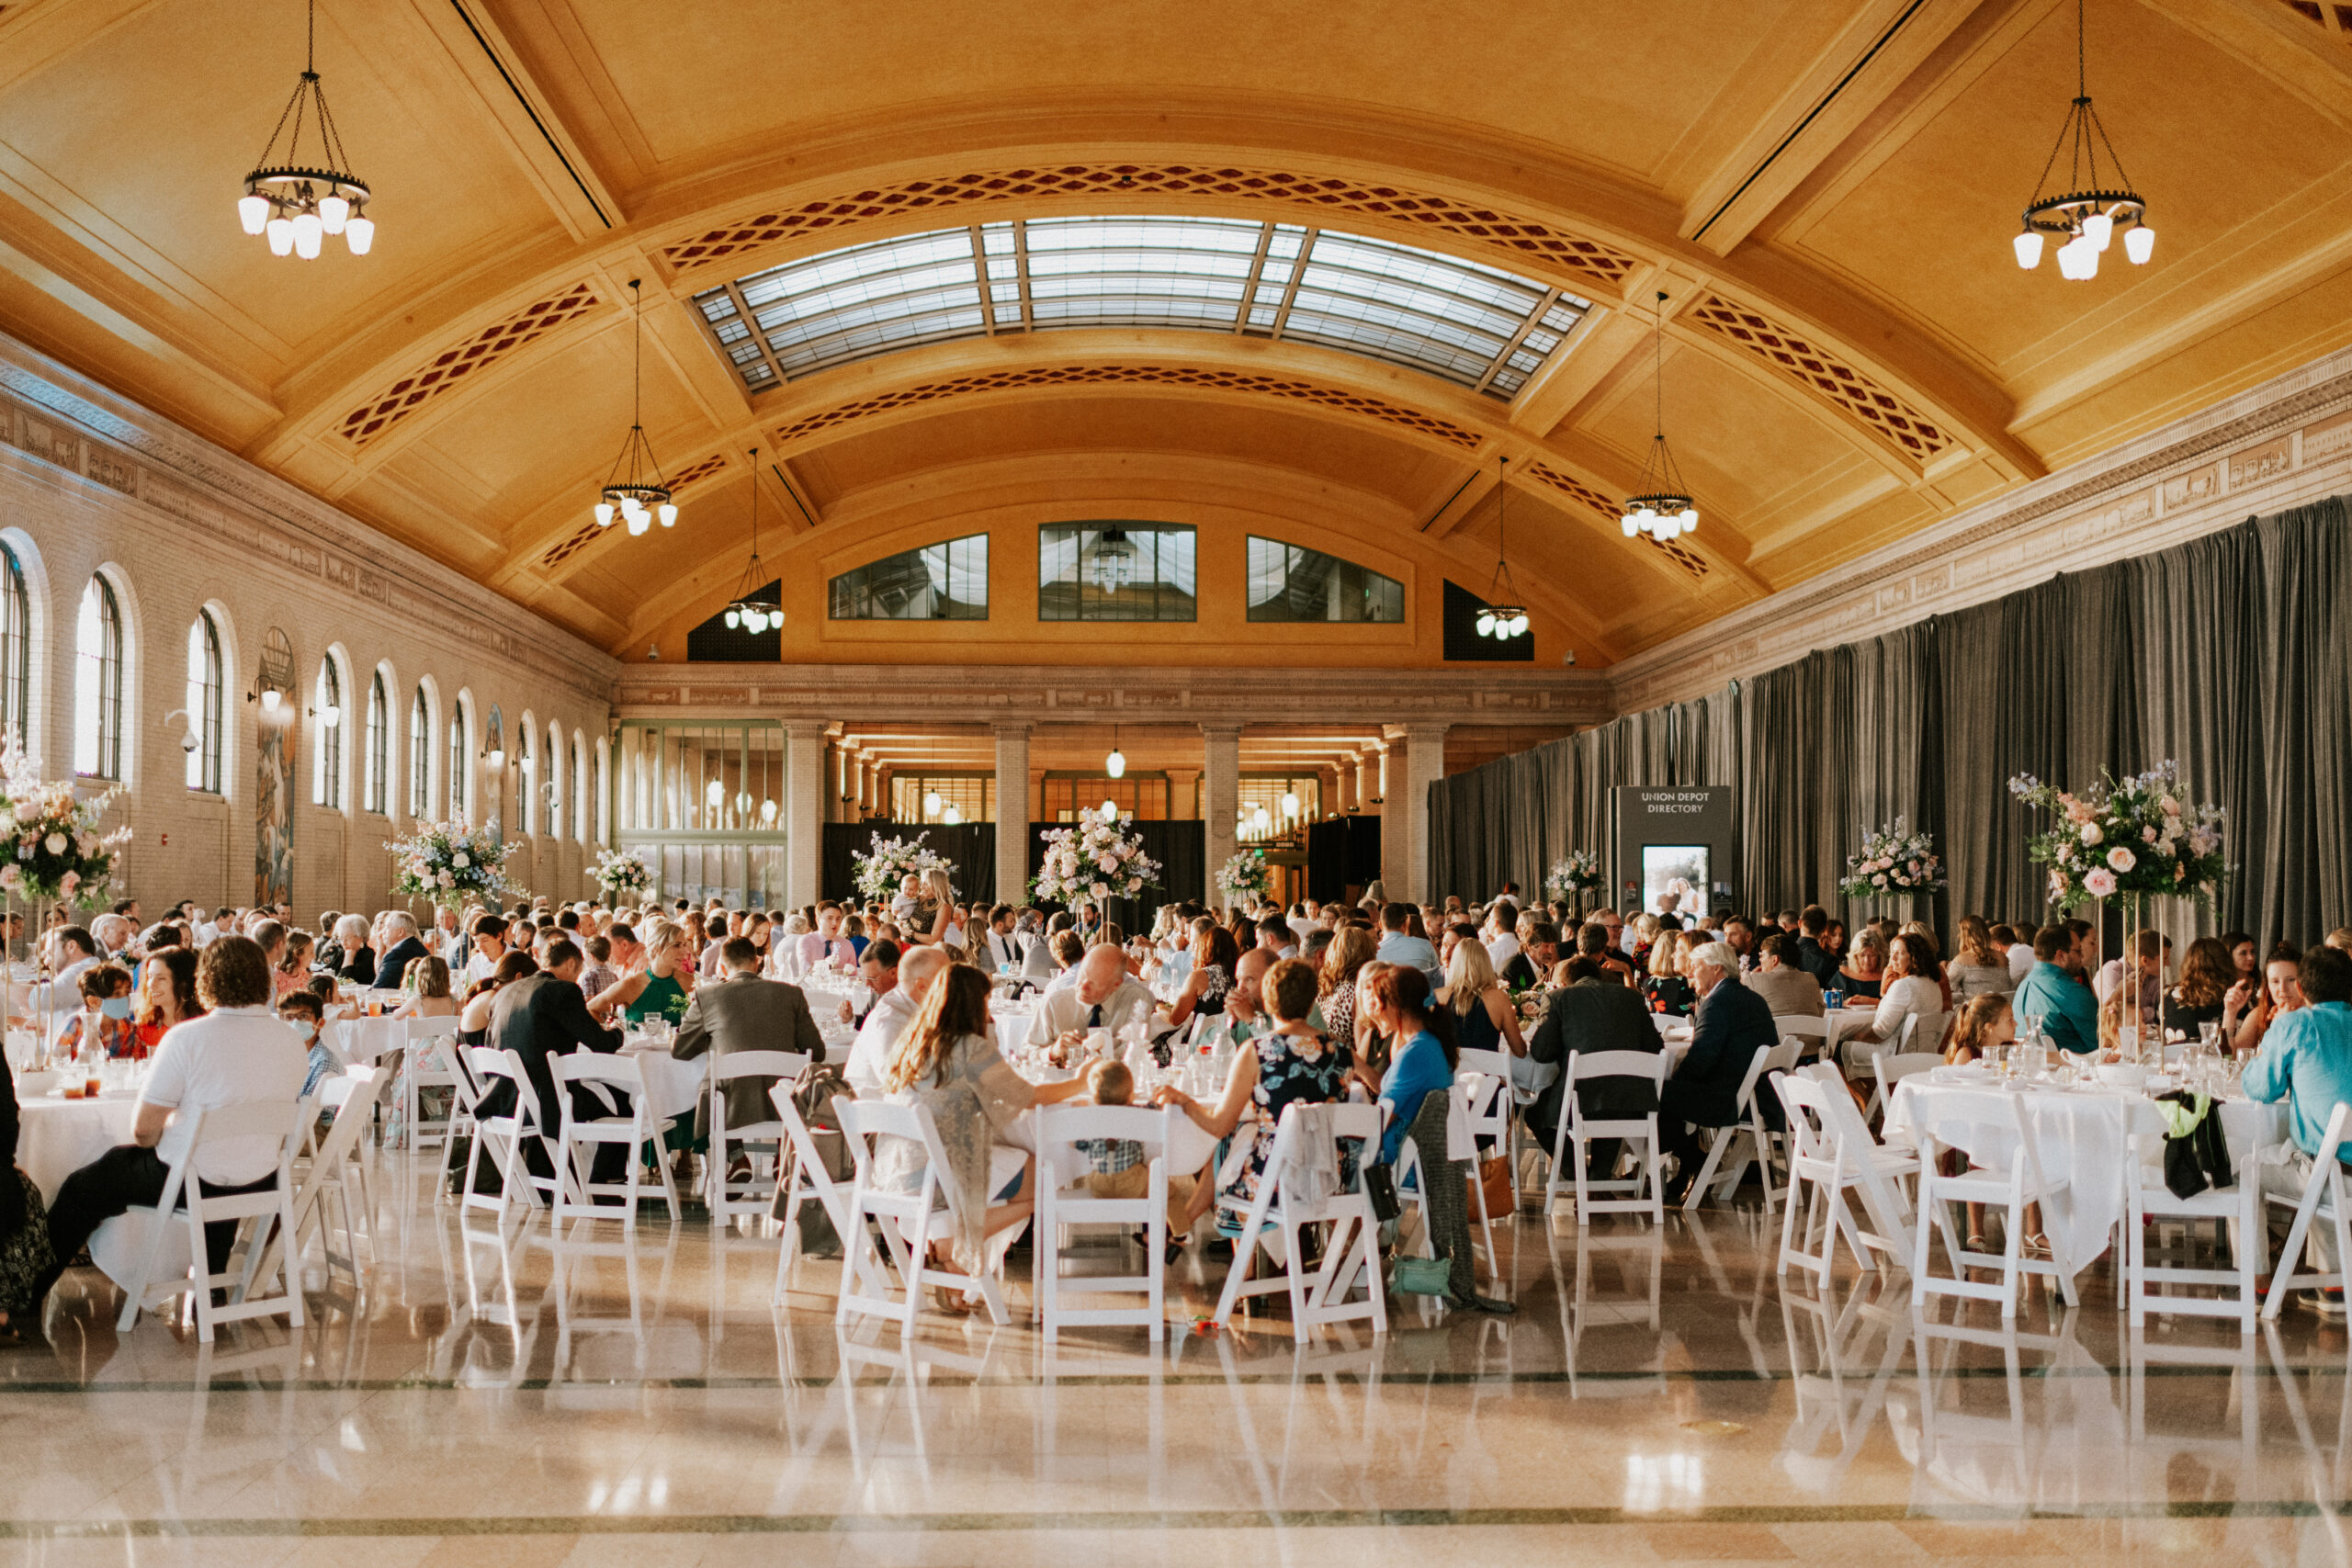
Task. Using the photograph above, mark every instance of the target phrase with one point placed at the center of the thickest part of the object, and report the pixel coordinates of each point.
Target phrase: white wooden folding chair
(1891, 1068)
(150, 1280)
(1749, 1125)
(1413, 1179)
(578, 1139)
(1064, 1201)
(506, 1138)
(904, 1222)
(432, 1064)
(1577, 1129)
(755, 1193)
(2149, 1202)
(333, 1173)
(2323, 1202)
(800, 1176)
(1831, 1151)
(2024, 1180)
(1350, 1254)
(465, 1093)
(1900, 1045)
(1493, 1111)
(1810, 1030)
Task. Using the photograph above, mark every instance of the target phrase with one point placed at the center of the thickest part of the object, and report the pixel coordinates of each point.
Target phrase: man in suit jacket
(997, 949)
(1103, 997)
(1729, 1023)
(401, 926)
(743, 1012)
(1594, 1013)
(542, 1016)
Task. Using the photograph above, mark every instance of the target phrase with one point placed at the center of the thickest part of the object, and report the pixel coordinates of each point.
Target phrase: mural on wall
(274, 773)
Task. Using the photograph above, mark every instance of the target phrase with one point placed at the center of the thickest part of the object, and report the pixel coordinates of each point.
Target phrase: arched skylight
(1474, 325)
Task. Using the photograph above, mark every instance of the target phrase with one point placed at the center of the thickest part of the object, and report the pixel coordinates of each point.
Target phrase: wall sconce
(268, 697)
(495, 757)
(332, 716)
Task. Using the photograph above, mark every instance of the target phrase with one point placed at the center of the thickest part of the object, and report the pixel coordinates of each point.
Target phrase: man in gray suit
(743, 1012)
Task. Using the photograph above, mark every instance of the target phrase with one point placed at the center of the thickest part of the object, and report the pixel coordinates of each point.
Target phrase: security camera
(1569, 658)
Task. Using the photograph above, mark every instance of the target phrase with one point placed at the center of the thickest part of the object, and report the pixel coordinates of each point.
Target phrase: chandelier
(634, 487)
(1500, 618)
(294, 203)
(1114, 566)
(2094, 203)
(752, 614)
(1663, 508)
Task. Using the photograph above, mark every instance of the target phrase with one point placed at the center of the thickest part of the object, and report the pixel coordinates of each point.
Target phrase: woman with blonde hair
(1483, 1018)
(1335, 982)
(660, 989)
(931, 923)
(1666, 987)
(426, 982)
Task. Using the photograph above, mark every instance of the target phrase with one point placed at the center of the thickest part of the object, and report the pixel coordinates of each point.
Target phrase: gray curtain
(2227, 655)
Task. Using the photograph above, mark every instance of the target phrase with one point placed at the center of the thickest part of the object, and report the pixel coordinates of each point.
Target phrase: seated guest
(1984, 1021)
(1812, 954)
(401, 927)
(354, 960)
(2306, 1059)
(1597, 941)
(2155, 951)
(899, 991)
(1415, 1094)
(1398, 945)
(1525, 969)
(539, 1016)
(237, 1053)
(104, 1022)
(1116, 1167)
(307, 1015)
(1065, 948)
(166, 995)
(1214, 955)
(1911, 992)
(597, 976)
(25, 1257)
(1865, 971)
(1789, 991)
(660, 990)
(1666, 988)
(743, 1012)
(2053, 992)
(996, 952)
(2015, 946)
(2203, 992)
(1730, 1023)
(1594, 1013)
(1103, 996)
(2251, 1010)
(1977, 969)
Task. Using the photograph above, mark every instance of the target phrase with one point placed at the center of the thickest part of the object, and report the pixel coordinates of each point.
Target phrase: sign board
(1677, 848)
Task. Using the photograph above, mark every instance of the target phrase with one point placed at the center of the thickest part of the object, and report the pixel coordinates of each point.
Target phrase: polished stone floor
(533, 1399)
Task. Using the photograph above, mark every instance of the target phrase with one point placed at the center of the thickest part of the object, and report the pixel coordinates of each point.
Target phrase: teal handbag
(1424, 1276)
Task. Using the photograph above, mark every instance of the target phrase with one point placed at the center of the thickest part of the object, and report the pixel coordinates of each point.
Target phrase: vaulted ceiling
(1824, 192)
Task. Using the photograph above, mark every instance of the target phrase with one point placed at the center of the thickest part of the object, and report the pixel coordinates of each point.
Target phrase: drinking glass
(2209, 1034)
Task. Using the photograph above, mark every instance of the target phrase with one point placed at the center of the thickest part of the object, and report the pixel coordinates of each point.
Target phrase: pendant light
(2089, 211)
(635, 488)
(1663, 508)
(1115, 764)
(295, 203)
(1503, 617)
(754, 616)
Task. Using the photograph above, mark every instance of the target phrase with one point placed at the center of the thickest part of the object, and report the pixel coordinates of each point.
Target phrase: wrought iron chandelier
(2094, 201)
(1664, 508)
(1503, 617)
(752, 615)
(634, 487)
(296, 203)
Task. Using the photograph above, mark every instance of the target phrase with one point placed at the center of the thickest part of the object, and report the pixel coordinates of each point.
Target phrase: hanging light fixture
(950, 816)
(752, 615)
(1290, 803)
(930, 803)
(1502, 618)
(1664, 509)
(2094, 203)
(1115, 764)
(635, 488)
(1110, 811)
(295, 203)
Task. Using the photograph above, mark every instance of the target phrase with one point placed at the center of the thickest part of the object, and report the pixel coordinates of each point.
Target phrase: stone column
(1011, 812)
(1422, 766)
(1387, 765)
(804, 810)
(1220, 798)
(1183, 794)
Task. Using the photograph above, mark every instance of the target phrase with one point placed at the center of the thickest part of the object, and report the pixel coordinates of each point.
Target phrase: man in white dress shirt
(74, 951)
(997, 951)
(1103, 996)
(893, 1009)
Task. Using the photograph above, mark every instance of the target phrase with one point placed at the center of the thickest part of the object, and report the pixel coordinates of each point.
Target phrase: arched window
(603, 799)
(376, 794)
(326, 706)
(555, 782)
(458, 762)
(528, 745)
(205, 684)
(97, 686)
(420, 755)
(15, 647)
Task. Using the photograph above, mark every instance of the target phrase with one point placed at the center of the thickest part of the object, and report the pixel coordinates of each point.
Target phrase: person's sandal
(1975, 1243)
(2037, 1246)
(951, 1301)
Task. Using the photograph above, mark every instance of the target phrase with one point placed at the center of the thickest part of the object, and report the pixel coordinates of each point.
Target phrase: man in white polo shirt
(238, 1051)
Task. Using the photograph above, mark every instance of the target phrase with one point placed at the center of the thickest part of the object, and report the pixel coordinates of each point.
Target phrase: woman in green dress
(660, 989)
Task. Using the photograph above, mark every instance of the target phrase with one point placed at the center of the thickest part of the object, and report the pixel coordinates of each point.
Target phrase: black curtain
(1341, 854)
(2230, 655)
(970, 848)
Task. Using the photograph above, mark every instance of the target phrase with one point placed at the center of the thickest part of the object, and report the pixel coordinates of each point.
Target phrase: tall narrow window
(420, 755)
(457, 763)
(578, 788)
(204, 689)
(530, 772)
(15, 647)
(326, 705)
(555, 782)
(97, 686)
(376, 794)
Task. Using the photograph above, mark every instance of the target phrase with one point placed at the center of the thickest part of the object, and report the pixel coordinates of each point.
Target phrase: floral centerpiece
(1572, 876)
(2139, 837)
(1246, 875)
(623, 874)
(60, 855)
(880, 871)
(1895, 864)
(1094, 858)
(450, 864)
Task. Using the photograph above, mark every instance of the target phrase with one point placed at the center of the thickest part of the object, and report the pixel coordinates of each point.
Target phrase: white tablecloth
(362, 1040)
(59, 1136)
(2080, 1135)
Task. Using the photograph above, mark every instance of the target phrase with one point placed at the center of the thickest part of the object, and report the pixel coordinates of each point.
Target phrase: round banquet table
(2080, 1133)
(364, 1040)
(58, 1137)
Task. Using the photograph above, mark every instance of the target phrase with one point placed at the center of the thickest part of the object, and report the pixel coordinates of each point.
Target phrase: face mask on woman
(116, 1007)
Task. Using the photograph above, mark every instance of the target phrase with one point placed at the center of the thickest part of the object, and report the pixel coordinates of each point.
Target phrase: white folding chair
(432, 1064)
(2322, 1201)
(1810, 1030)
(277, 1120)
(1063, 1202)
(905, 1221)
(1411, 1173)
(801, 1175)
(579, 1140)
(1748, 1124)
(2025, 1181)
(754, 1194)
(1891, 1068)
(1493, 1110)
(1576, 1130)
(2150, 1202)
(1832, 1151)
(1350, 1254)
(506, 1138)
(465, 1093)
(334, 1171)
(1900, 1045)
